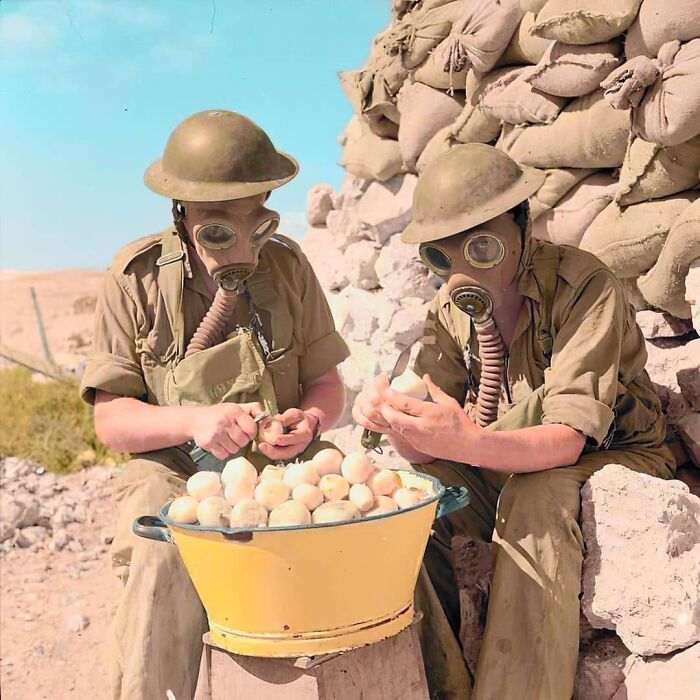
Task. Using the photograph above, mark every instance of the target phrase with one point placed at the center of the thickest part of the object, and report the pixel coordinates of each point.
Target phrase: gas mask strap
(178, 221)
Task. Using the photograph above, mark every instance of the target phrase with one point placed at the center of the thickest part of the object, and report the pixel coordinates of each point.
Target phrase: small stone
(358, 264)
(401, 273)
(688, 430)
(319, 202)
(77, 622)
(30, 536)
(86, 458)
(59, 540)
(106, 536)
(600, 668)
(657, 324)
(407, 323)
(385, 208)
(75, 546)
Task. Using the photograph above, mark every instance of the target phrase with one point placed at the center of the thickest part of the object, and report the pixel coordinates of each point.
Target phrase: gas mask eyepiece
(481, 250)
(216, 236)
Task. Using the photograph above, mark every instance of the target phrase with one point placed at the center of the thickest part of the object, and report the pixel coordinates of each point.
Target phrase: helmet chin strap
(477, 303)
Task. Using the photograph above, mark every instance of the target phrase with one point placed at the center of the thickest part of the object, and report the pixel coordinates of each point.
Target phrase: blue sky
(90, 90)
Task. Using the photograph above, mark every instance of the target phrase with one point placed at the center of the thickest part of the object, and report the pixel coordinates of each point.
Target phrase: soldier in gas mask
(535, 366)
(199, 329)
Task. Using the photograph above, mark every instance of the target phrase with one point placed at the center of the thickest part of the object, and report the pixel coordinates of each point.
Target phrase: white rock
(29, 536)
(358, 264)
(407, 323)
(675, 677)
(385, 208)
(657, 324)
(641, 574)
(688, 374)
(692, 292)
(77, 622)
(59, 540)
(319, 201)
(366, 313)
(345, 227)
(688, 430)
(326, 257)
(360, 367)
(15, 468)
(402, 274)
(351, 189)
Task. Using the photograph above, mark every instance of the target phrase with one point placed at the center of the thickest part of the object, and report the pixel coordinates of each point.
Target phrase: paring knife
(370, 439)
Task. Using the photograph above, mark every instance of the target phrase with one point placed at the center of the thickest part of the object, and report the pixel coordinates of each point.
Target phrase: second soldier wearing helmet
(535, 367)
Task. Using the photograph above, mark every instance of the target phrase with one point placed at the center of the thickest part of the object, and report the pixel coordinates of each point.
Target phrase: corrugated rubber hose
(211, 330)
(492, 355)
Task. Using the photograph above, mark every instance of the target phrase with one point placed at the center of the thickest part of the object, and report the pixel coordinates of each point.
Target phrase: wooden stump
(387, 670)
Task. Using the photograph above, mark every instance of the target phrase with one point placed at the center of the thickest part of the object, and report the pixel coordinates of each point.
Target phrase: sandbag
(566, 223)
(659, 21)
(441, 143)
(651, 171)
(588, 133)
(532, 5)
(632, 294)
(664, 285)
(367, 155)
(381, 126)
(473, 125)
(433, 74)
(630, 240)
(568, 70)
(424, 111)
(557, 182)
(585, 21)
(419, 32)
(524, 47)
(508, 96)
(665, 92)
(480, 34)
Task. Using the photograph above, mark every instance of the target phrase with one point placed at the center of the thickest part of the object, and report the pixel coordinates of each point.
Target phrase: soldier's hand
(367, 410)
(225, 428)
(439, 428)
(299, 433)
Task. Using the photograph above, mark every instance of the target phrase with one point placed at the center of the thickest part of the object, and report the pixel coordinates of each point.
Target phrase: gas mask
(229, 247)
(478, 266)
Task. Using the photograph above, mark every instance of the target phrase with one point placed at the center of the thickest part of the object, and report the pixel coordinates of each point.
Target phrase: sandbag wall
(604, 97)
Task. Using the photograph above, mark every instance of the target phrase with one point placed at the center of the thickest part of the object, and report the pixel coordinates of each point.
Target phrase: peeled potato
(382, 506)
(204, 484)
(308, 494)
(213, 511)
(239, 468)
(335, 511)
(239, 490)
(384, 482)
(410, 384)
(271, 493)
(334, 486)
(407, 497)
(327, 461)
(184, 510)
(289, 513)
(300, 473)
(270, 430)
(272, 472)
(356, 468)
(361, 495)
(248, 513)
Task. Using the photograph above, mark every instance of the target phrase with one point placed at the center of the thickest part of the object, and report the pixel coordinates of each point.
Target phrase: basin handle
(454, 498)
(151, 527)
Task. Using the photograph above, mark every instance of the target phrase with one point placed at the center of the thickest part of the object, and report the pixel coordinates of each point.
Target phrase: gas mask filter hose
(211, 330)
(478, 305)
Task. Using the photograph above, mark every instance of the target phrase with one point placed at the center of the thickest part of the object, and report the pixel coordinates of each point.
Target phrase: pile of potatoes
(329, 488)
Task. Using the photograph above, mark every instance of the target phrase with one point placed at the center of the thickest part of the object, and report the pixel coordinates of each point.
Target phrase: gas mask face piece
(478, 265)
(229, 240)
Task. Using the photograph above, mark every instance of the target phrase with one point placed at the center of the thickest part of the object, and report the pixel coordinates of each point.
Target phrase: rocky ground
(57, 587)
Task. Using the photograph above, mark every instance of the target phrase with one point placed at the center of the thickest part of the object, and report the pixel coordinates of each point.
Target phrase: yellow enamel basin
(308, 590)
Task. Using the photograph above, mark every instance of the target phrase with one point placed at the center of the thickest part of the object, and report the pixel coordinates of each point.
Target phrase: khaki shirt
(134, 345)
(595, 380)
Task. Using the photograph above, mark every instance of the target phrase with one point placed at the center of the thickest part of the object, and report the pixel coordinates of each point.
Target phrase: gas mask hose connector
(211, 330)
(492, 355)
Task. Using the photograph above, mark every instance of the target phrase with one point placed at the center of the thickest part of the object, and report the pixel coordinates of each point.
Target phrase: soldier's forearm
(324, 397)
(526, 450)
(126, 424)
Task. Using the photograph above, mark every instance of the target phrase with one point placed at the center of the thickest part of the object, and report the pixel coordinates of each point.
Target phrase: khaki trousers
(530, 645)
(157, 629)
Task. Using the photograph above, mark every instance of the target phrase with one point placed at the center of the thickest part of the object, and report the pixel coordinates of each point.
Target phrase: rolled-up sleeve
(580, 386)
(441, 357)
(113, 365)
(324, 348)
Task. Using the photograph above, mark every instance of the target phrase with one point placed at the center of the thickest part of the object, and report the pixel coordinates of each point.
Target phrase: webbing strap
(171, 277)
(545, 262)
